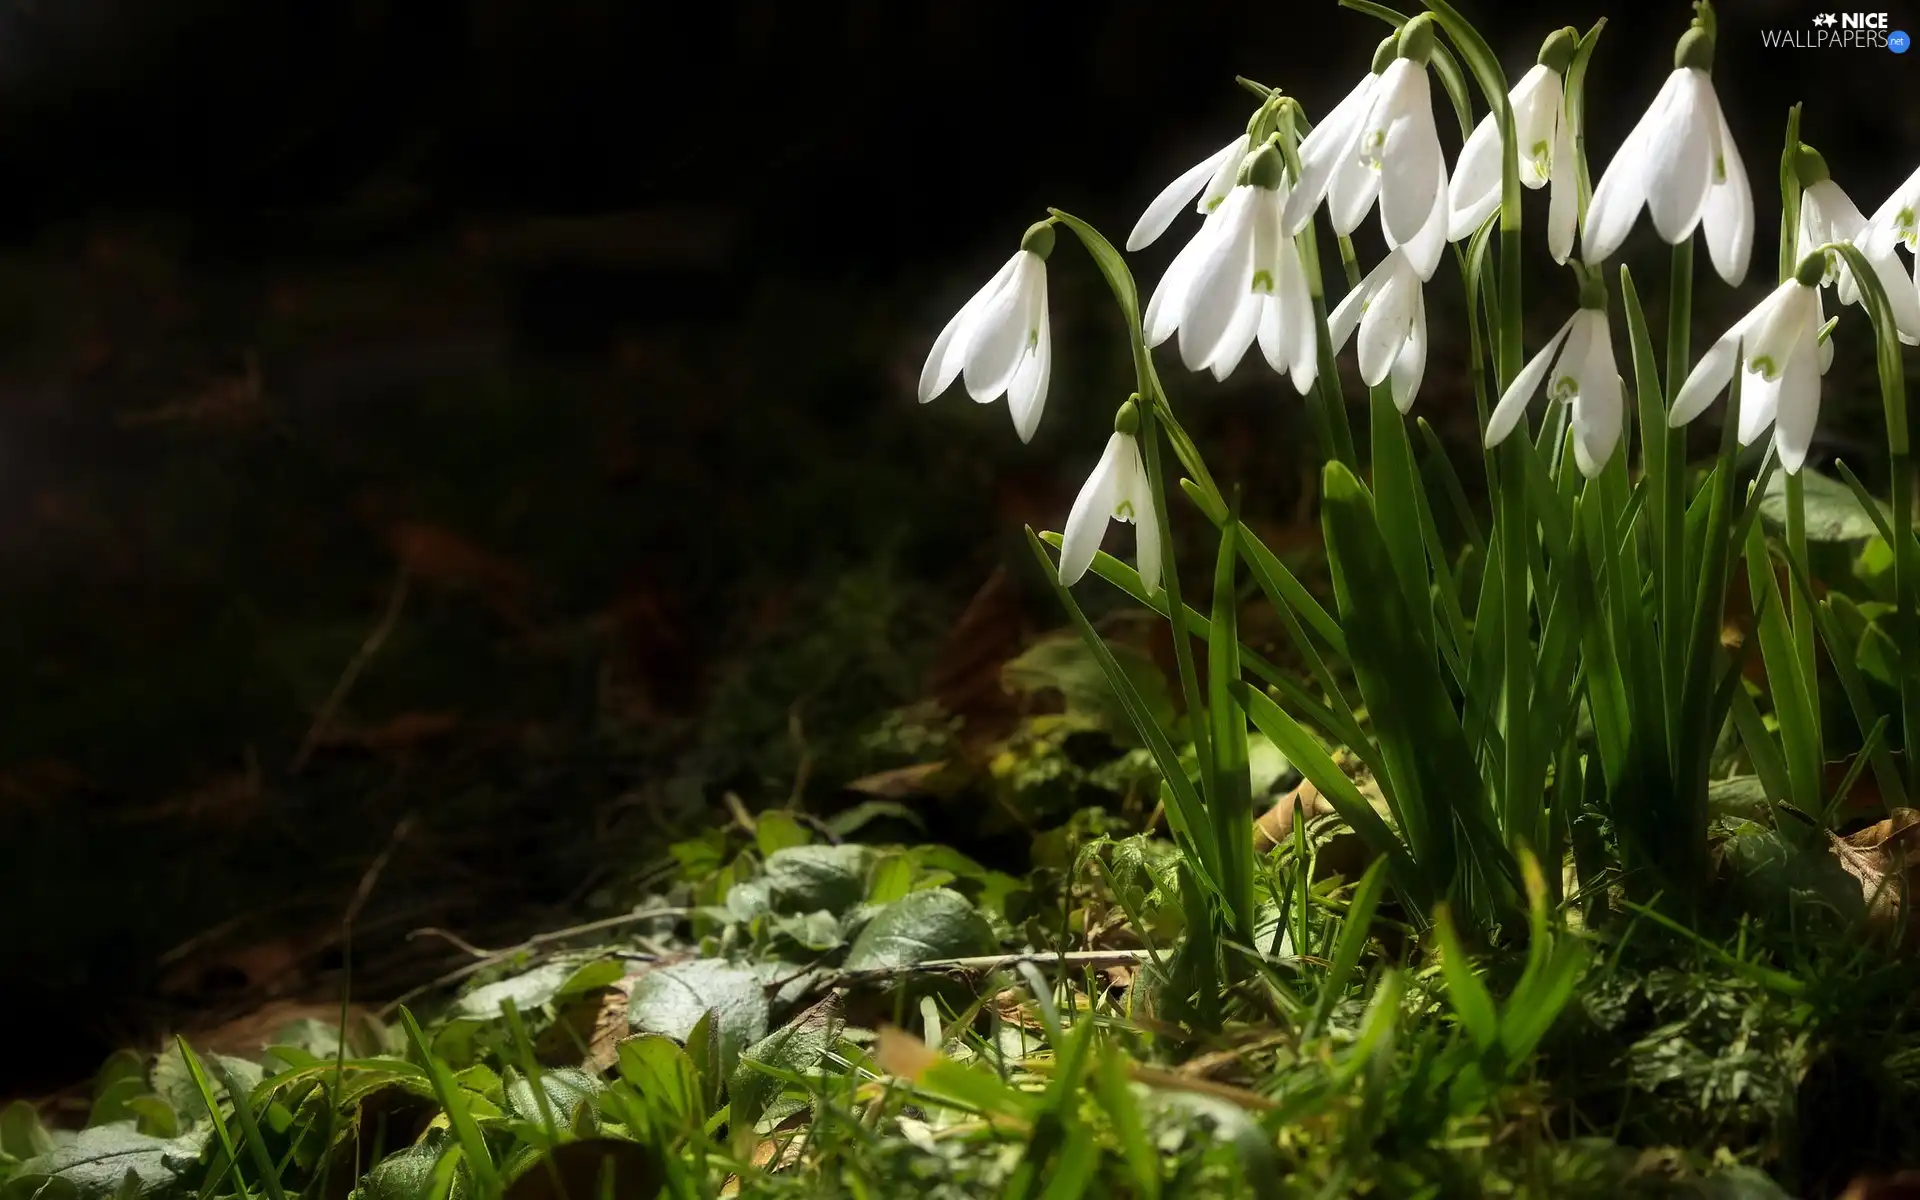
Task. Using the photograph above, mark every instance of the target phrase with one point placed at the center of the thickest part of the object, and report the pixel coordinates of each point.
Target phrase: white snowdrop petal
(1424, 251)
(949, 349)
(1003, 335)
(1092, 508)
(1617, 198)
(1798, 405)
(1226, 173)
(1409, 152)
(1896, 220)
(1220, 280)
(1354, 188)
(1474, 192)
(1563, 195)
(1177, 195)
(1027, 394)
(1322, 150)
(1300, 330)
(1682, 156)
(1238, 337)
(1727, 217)
(1410, 365)
(1708, 377)
(1513, 402)
(1383, 328)
(1535, 101)
(1169, 300)
(1598, 409)
(1146, 525)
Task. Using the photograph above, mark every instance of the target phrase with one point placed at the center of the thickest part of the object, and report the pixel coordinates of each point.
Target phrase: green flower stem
(1196, 713)
(1799, 617)
(1674, 592)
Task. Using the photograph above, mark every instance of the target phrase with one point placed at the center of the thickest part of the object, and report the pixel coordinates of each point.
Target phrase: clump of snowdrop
(1827, 216)
(1380, 142)
(1578, 368)
(1680, 164)
(1545, 158)
(1000, 342)
(1778, 343)
(1240, 280)
(1118, 490)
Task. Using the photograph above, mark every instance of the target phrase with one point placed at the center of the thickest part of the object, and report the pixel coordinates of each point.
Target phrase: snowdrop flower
(1545, 158)
(1389, 309)
(1000, 341)
(1390, 312)
(1828, 215)
(1208, 180)
(1778, 343)
(1579, 362)
(1116, 491)
(1381, 142)
(1896, 220)
(1681, 165)
(1239, 279)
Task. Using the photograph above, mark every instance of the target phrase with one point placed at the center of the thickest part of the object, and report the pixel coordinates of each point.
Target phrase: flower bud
(1038, 240)
(1386, 52)
(1812, 269)
(1694, 49)
(1416, 39)
(1127, 419)
(1810, 166)
(1557, 51)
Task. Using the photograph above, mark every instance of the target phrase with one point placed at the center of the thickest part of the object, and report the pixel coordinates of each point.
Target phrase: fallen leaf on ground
(1882, 858)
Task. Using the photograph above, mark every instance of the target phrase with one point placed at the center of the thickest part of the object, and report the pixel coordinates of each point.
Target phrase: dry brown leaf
(1903, 1185)
(903, 1055)
(965, 676)
(1882, 858)
(1276, 824)
(247, 1035)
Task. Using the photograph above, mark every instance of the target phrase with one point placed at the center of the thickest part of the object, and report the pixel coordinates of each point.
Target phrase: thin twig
(496, 957)
(351, 675)
(988, 963)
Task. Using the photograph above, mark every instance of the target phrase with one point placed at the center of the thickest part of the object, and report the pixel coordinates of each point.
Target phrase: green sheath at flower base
(1126, 419)
(1038, 239)
(1812, 269)
(1559, 48)
(1386, 52)
(1416, 38)
(1593, 290)
(1264, 168)
(1695, 49)
(1810, 166)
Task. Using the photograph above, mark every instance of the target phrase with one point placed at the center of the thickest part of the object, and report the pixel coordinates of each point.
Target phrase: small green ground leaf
(99, 1160)
(1834, 513)
(542, 985)
(671, 1001)
(1063, 663)
(930, 924)
(566, 1087)
(406, 1174)
(805, 879)
(22, 1136)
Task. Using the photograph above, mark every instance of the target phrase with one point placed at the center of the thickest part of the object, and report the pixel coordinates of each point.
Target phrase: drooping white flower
(1896, 221)
(1828, 215)
(1001, 341)
(1390, 313)
(1380, 142)
(1680, 164)
(1778, 343)
(1206, 184)
(1117, 490)
(1577, 366)
(1238, 280)
(1545, 157)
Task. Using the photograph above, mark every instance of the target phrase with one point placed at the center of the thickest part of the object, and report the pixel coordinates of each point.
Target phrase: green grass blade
(1231, 807)
(220, 1132)
(1187, 815)
(466, 1130)
(1466, 993)
(1352, 942)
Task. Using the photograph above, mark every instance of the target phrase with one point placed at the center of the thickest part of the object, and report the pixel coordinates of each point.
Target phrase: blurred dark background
(482, 430)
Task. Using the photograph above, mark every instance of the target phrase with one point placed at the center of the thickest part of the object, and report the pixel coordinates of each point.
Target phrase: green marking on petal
(1263, 281)
(1123, 511)
(1542, 154)
(1719, 168)
(1764, 366)
(1566, 387)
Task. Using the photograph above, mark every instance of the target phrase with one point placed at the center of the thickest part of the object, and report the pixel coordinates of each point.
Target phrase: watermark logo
(1840, 31)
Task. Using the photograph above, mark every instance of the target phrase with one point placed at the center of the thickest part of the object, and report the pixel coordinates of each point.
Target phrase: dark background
(597, 324)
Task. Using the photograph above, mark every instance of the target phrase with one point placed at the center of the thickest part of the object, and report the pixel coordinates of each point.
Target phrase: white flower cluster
(1243, 276)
